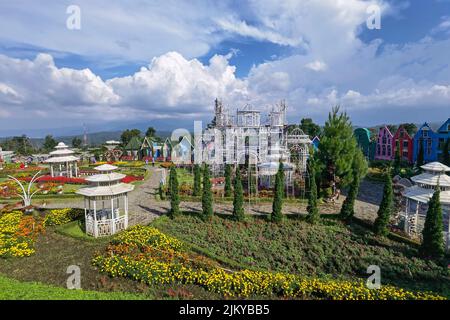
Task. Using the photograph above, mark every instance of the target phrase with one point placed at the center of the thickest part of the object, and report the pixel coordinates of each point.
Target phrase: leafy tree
(309, 127)
(207, 200)
(277, 205)
(150, 132)
(392, 128)
(445, 152)
(197, 181)
(128, 134)
(228, 190)
(336, 150)
(76, 142)
(238, 200)
(313, 210)
(174, 195)
(432, 239)
(386, 208)
(411, 128)
(20, 145)
(420, 154)
(49, 143)
(359, 166)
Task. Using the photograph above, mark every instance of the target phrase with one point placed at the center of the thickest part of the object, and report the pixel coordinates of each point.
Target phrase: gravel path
(144, 207)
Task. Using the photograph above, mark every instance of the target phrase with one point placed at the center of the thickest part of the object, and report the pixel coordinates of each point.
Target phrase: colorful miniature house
(443, 135)
(384, 144)
(427, 139)
(404, 142)
(363, 137)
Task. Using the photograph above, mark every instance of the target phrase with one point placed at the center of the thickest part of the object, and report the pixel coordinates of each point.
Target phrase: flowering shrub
(57, 217)
(61, 180)
(129, 179)
(17, 234)
(145, 254)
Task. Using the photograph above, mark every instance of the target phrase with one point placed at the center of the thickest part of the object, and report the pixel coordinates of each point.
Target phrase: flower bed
(145, 254)
(61, 180)
(57, 217)
(130, 179)
(17, 234)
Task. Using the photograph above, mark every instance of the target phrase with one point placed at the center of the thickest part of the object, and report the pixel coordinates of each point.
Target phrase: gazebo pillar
(113, 221)
(76, 169)
(95, 219)
(126, 210)
(51, 170)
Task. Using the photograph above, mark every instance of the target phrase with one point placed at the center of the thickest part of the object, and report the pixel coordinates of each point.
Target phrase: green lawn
(294, 246)
(11, 289)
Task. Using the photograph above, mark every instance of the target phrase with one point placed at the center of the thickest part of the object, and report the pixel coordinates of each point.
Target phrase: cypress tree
(420, 159)
(397, 160)
(228, 190)
(385, 209)
(432, 239)
(197, 181)
(446, 155)
(359, 166)
(174, 196)
(238, 200)
(277, 205)
(313, 211)
(207, 201)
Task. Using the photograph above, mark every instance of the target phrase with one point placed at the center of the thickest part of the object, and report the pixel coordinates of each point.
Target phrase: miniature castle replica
(416, 199)
(63, 162)
(244, 138)
(103, 200)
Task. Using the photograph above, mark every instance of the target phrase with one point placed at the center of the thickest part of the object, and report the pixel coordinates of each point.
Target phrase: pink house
(384, 150)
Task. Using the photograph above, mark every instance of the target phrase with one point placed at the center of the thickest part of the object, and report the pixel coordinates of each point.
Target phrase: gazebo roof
(424, 195)
(61, 159)
(61, 145)
(436, 167)
(432, 179)
(61, 152)
(106, 167)
(102, 191)
(106, 177)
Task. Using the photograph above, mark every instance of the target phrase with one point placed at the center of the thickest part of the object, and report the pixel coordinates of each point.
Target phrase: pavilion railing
(105, 227)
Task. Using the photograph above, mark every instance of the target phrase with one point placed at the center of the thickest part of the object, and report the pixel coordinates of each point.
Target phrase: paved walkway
(144, 207)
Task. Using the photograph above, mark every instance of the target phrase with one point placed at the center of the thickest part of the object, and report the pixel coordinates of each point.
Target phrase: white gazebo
(416, 199)
(103, 201)
(63, 162)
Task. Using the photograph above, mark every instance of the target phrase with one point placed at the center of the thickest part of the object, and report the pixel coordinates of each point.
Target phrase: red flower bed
(57, 180)
(147, 158)
(129, 179)
(127, 158)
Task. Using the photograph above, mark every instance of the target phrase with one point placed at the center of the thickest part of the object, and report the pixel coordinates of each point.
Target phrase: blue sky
(164, 62)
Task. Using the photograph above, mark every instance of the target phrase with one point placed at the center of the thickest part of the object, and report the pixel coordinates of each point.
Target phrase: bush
(57, 217)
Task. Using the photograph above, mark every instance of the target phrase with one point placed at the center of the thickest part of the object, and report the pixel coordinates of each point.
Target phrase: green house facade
(367, 145)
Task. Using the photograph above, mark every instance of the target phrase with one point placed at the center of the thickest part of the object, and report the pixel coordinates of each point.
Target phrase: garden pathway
(144, 207)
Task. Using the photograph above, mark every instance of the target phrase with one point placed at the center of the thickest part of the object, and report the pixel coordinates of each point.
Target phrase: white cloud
(316, 65)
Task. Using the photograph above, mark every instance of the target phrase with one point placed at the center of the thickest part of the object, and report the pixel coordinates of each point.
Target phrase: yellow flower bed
(17, 234)
(145, 254)
(57, 217)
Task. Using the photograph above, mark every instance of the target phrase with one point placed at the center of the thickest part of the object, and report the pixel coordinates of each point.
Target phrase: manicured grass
(11, 289)
(74, 229)
(294, 246)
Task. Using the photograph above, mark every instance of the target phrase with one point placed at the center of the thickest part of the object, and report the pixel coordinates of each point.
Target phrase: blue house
(443, 135)
(426, 137)
(315, 143)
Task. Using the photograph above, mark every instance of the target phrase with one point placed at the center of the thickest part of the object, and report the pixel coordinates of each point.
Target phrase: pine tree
(336, 150)
(432, 237)
(207, 200)
(385, 209)
(277, 205)
(174, 196)
(238, 200)
(420, 159)
(197, 181)
(313, 211)
(359, 166)
(445, 153)
(228, 190)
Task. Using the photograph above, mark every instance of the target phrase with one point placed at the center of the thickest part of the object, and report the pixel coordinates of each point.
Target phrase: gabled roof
(364, 130)
(134, 144)
(387, 129)
(402, 127)
(146, 143)
(444, 127)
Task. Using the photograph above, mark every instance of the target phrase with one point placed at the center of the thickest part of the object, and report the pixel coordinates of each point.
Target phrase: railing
(105, 227)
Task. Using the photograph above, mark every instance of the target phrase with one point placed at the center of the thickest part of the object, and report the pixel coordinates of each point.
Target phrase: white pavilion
(103, 200)
(63, 162)
(417, 197)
